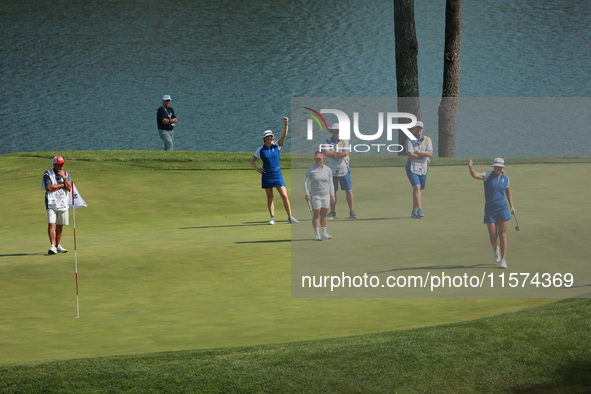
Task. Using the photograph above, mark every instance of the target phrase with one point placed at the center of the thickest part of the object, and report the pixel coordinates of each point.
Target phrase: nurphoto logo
(345, 129)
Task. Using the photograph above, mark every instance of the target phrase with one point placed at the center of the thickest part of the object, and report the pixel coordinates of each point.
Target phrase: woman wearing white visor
(272, 176)
(496, 211)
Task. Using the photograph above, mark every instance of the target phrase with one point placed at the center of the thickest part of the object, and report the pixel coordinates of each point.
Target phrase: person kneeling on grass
(496, 212)
(271, 172)
(57, 184)
(319, 195)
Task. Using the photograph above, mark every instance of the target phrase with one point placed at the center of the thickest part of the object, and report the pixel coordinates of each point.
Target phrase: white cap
(267, 133)
(335, 126)
(166, 97)
(419, 124)
(498, 162)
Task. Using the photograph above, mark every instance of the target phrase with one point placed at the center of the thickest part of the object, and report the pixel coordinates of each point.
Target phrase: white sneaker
(272, 221)
(317, 237)
(497, 255)
(61, 249)
(325, 235)
(503, 264)
(293, 220)
(52, 250)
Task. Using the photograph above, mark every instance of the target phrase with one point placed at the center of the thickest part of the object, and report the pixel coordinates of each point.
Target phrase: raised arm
(474, 174)
(284, 135)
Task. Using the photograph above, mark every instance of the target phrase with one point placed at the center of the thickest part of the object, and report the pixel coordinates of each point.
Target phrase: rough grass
(540, 350)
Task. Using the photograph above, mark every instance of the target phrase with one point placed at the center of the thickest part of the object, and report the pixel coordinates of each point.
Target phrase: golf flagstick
(77, 201)
(75, 255)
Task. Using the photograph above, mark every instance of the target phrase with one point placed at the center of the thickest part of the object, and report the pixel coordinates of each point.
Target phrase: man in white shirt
(418, 154)
(57, 184)
(337, 158)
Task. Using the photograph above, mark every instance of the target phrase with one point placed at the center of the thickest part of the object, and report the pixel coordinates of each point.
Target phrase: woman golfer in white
(271, 172)
(496, 211)
(319, 195)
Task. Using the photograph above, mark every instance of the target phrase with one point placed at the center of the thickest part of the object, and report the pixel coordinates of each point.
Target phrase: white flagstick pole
(75, 256)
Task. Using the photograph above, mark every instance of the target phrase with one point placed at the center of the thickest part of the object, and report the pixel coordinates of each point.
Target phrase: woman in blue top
(271, 172)
(496, 211)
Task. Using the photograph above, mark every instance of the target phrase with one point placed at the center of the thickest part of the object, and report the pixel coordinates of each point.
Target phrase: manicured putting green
(177, 259)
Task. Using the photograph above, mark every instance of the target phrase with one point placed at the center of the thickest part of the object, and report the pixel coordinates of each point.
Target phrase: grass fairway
(174, 255)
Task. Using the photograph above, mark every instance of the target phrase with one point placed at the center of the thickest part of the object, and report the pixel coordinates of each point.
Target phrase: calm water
(85, 75)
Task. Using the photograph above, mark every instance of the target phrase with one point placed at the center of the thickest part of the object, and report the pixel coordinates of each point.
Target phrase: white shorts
(61, 218)
(318, 202)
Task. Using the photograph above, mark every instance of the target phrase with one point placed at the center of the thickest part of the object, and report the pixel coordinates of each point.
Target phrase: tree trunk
(448, 108)
(407, 72)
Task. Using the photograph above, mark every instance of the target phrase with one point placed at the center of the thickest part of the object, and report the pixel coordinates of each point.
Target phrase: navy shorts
(344, 180)
(416, 179)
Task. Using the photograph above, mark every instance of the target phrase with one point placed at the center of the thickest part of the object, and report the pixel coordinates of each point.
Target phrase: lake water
(89, 75)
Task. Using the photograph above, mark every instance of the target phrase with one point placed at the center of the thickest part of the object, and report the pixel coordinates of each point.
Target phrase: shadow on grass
(348, 219)
(575, 287)
(274, 241)
(436, 267)
(246, 224)
(574, 377)
(252, 224)
(23, 254)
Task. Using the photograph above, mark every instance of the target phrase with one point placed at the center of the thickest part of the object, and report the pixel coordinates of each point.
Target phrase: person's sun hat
(267, 133)
(419, 124)
(166, 97)
(58, 160)
(498, 162)
(334, 127)
(319, 155)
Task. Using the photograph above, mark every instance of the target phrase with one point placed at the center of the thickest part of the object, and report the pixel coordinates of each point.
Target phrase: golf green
(172, 259)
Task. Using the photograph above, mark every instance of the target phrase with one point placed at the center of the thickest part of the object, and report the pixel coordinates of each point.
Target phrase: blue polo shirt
(272, 177)
(494, 191)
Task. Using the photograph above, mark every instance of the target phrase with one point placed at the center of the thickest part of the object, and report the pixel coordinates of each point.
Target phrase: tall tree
(407, 71)
(448, 108)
